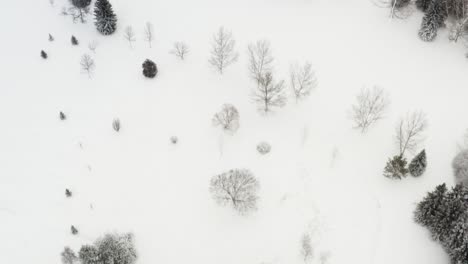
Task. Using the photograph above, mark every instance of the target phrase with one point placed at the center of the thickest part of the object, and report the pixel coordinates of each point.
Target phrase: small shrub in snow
(263, 148)
(73, 230)
(116, 125)
(68, 193)
(227, 118)
(306, 248)
(89, 255)
(174, 140)
(418, 165)
(68, 256)
(74, 41)
(396, 168)
(149, 69)
(43, 54)
(62, 116)
(105, 19)
(51, 38)
(460, 167)
(237, 187)
(180, 50)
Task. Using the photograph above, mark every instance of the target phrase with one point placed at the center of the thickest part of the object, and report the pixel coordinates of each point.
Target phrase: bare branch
(87, 64)
(222, 50)
(369, 108)
(409, 131)
(180, 50)
(227, 118)
(238, 188)
(269, 93)
(129, 35)
(303, 80)
(260, 60)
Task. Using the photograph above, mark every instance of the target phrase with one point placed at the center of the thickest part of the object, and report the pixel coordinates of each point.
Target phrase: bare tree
(369, 108)
(399, 9)
(238, 188)
(87, 64)
(149, 33)
(116, 124)
(92, 46)
(222, 50)
(269, 93)
(409, 131)
(303, 80)
(180, 50)
(306, 248)
(260, 60)
(129, 35)
(78, 13)
(227, 118)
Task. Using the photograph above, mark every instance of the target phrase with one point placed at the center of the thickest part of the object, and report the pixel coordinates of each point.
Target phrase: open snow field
(322, 177)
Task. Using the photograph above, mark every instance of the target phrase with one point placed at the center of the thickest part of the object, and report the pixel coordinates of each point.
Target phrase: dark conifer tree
(74, 41)
(418, 165)
(396, 168)
(73, 230)
(105, 19)
(43, 54)
(149, 69)
(431, 206)
(62, 116)
(51, 38)
(433, 19)
(68, 193)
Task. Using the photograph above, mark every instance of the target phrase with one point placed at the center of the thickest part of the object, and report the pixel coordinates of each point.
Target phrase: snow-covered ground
(322, 177)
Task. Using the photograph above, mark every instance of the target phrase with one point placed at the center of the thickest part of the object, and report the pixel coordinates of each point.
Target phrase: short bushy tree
(149, 69)
(418, 164)
(89, 255)
(105, 19)
(396, 168)
(227, 118)
(110, 249)
(74, 41)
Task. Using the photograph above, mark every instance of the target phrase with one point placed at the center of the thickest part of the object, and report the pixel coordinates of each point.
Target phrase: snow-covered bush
(110, 249)
(237, 187)
(396, 168)
(149, 69)
(68, 256)
(460, 167)
(418, 164)
(105, 19)
(263, 148)
(116, 124)
(51, 38)
(74, 41)
(174, 140)
(227, 118)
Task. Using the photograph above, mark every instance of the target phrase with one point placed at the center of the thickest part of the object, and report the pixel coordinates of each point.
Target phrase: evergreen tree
(418, 165)
(74, 41)
(68, 193)
(456, 243)
(62, 116)
(430, 207)
(396, 168)
(149, 69)
(43, 54)
(423, 5)
(105, 19)
(73, 230)
(51, 38)
(433, 19)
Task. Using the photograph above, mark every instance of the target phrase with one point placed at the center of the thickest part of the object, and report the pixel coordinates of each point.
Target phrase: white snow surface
(321, 177)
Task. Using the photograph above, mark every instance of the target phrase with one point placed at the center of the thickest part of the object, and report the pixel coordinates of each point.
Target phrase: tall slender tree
(105, 19)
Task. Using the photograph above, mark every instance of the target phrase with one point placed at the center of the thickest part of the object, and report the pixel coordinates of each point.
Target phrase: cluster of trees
(111, 248)
(445, 214)
(409, 134)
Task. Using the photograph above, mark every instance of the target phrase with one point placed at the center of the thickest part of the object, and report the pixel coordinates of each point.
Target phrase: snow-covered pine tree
(105, 19)
(418, 164)
(43, 54)
(431, 206)
(51, 38)
(73, 230)
(396, 168)
(456, 244)
(62, 116)
(433, 19)
(74, 41)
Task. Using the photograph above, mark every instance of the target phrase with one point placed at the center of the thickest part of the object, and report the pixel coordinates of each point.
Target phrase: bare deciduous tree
(369, 108)
(399, 9)
(260, 60)
(87, 64)
(116, 124)
(303, 80)
(149, 33)
(129, 35)
(92, 46)
(227, 118)
(78, 13)
(222, 50)
(180, 50)
(306, 248)
(269, 93)
(409, 131)
(237, 187)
